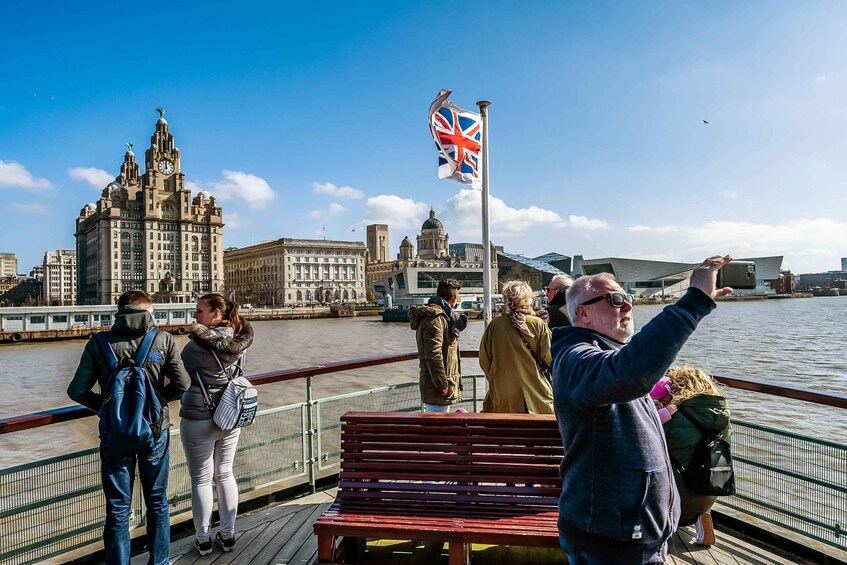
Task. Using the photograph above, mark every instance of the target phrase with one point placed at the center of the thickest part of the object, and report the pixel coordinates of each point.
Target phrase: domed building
(146, 232)
(415, 276)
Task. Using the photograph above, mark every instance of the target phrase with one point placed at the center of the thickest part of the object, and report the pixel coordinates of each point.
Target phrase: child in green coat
(699, 408)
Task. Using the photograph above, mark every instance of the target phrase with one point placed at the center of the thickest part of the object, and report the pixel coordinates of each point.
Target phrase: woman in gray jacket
(209, 450)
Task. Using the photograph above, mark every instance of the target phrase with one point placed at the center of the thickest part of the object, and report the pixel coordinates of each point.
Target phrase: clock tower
(147, 232)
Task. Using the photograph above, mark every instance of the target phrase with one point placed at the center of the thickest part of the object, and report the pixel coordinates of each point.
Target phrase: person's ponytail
(228, 308)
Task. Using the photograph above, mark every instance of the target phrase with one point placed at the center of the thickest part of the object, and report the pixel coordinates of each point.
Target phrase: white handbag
(239, 402)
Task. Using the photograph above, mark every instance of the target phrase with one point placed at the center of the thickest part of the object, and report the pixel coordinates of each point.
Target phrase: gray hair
(560, 281)
(580, 287)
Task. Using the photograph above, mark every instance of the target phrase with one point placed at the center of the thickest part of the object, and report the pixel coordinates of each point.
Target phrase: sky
(310, 120)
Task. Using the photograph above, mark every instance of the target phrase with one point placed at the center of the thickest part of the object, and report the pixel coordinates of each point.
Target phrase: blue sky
(315, 114)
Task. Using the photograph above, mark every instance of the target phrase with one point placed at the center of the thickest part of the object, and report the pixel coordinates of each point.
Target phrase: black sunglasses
(616, 299)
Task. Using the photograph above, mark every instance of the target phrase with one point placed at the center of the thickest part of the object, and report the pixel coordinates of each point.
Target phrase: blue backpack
(130, 404)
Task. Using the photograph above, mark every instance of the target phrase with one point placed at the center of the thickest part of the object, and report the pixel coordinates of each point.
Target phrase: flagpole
(486, 229)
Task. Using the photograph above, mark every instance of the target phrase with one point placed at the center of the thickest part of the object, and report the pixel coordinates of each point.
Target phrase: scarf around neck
(518, 317)
(458, 322)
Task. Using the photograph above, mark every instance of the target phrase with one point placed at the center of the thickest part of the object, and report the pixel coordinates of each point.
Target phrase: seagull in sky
(705, 122)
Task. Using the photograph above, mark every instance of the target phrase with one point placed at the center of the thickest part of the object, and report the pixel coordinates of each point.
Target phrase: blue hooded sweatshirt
(618, 483)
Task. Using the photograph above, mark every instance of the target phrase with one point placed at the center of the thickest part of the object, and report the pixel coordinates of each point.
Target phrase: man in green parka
(437, 327)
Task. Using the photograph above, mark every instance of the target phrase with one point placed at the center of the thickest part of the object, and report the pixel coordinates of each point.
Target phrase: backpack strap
(541, 365)
(144, 349)
(106, 348)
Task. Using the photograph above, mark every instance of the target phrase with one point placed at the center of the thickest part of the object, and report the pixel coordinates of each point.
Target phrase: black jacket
(558, 311)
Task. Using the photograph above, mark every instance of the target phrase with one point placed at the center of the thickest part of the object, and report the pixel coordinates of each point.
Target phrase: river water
(797, 342)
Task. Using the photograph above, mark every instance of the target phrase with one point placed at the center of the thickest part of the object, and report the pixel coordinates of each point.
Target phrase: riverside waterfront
(791, 342)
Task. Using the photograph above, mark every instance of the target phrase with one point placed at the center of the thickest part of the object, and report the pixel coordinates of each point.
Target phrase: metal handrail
(69, 413)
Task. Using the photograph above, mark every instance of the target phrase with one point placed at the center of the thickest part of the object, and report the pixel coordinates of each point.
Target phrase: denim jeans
(436, 408)
(635, 555)
(118, 474)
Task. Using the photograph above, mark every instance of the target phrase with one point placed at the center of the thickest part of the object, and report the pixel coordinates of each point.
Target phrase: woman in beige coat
(513, 350)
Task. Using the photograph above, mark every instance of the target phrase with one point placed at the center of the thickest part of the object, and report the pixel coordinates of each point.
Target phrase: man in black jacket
(557, 308)
(618, 502)
(132, 322)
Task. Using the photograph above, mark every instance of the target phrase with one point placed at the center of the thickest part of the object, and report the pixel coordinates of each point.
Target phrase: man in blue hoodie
(619, 503)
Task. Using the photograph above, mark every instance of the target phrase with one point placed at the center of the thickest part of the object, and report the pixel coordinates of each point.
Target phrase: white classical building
(147, 232)
(58, 286)
(296, 272)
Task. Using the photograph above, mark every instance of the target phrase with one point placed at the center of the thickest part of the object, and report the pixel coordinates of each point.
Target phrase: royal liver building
(146, 232)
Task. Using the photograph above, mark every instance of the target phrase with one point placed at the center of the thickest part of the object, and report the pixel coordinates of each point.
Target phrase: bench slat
(447, 487)
(429, 446)
(351, 458)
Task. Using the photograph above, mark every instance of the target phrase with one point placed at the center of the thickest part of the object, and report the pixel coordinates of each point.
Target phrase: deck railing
(53, 506)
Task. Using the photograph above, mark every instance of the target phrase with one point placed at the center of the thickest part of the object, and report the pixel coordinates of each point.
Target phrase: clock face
(166, 167)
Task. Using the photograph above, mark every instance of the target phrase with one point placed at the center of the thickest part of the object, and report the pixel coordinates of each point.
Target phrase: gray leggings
(209, 452)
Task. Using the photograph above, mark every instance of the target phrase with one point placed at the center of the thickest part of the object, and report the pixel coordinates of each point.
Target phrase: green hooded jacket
(710, 412)
(438, 355)
(163, 362)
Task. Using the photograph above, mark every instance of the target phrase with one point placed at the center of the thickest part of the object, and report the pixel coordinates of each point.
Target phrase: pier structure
(788, 506)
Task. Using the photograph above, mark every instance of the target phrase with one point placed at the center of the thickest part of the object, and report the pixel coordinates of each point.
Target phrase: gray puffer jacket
(200, 363)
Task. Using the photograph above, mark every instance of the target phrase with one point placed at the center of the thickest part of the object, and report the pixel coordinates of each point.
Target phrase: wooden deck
(282, 534)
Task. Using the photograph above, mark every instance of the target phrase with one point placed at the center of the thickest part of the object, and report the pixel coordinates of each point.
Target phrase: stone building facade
(147, 232)
(8, 265)
(59, 278)
(296, 272)
(416, 275)
(377, 235)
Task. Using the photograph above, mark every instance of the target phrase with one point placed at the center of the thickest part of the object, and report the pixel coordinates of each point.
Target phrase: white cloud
(28, 208)
(464, 210)
(337, 191)
(807, 245)
(821, 79)
(583, 223)
(652, 229)
(252, 189)
(193, 187)
(332, 210)
(804, 235)
(233, 221)
(395, 211)
(97, 178)
(729, 194)
(15, 175)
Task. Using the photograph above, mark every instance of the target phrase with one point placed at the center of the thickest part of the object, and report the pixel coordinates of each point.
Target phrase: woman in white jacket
(218, 340)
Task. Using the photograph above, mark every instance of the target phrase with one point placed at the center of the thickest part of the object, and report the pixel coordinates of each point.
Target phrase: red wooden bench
(455, 478)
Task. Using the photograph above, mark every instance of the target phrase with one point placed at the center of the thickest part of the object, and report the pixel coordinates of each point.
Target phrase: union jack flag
(458, 136)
